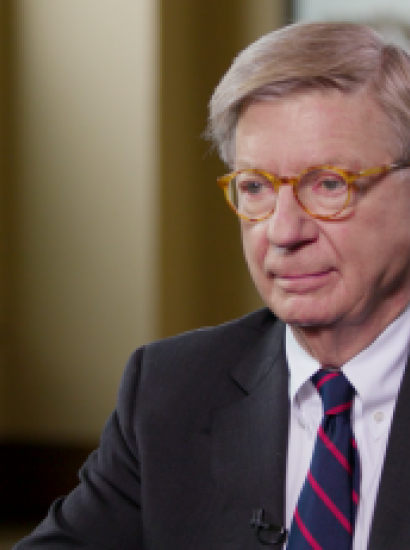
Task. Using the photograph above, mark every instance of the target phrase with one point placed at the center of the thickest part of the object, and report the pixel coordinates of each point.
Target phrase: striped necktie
(325, 515)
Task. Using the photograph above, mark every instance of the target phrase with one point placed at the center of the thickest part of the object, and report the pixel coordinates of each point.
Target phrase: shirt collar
(376, 372)
(302, 366)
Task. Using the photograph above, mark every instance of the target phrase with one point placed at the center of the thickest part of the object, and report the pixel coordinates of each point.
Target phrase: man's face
(353, 271)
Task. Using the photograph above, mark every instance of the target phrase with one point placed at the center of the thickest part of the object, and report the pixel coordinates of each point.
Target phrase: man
(314, 121)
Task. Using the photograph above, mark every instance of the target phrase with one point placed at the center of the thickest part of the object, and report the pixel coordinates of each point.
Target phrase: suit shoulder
(200, 349)
(191, 372)
(244, 329)
(197, 355)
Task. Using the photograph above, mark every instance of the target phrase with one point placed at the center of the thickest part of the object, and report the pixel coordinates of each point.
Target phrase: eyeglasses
(322, 191)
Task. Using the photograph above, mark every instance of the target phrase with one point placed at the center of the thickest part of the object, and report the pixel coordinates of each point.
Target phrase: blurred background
(112, 229)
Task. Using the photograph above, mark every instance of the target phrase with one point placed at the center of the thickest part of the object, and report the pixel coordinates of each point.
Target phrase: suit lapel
(391, 526)
(250, 435)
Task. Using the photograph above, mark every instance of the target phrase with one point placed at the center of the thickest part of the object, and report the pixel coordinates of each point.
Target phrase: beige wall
(83, 236)
(117, 231)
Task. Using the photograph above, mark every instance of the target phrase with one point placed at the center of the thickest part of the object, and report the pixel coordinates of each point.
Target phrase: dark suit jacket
(198, 440)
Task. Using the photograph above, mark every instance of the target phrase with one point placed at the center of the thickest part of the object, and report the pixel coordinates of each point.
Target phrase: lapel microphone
(267, 533)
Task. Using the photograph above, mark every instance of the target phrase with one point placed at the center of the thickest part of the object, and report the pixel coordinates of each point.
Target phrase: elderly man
(287, 427)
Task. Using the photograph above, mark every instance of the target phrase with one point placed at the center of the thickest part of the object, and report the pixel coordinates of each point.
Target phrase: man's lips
(301, 281)
(292, 277)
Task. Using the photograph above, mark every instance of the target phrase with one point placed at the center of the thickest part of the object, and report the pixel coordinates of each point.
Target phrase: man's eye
(330, 185)
(253, 187)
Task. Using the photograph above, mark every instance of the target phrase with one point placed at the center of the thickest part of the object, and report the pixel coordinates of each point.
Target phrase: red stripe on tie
(332, 507)
(353, 443)
(355, 496)
(334, 450)
(326, 378)
(339, 408)
(308, 536)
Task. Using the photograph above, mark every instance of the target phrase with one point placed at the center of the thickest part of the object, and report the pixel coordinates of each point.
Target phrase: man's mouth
(301, 281)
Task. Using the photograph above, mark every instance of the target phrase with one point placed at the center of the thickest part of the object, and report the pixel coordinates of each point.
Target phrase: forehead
(291, 133)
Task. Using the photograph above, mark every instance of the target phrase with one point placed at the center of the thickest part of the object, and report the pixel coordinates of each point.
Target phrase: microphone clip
(268, 534)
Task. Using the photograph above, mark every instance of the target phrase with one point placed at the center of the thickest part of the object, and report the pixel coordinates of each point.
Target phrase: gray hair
(313, 56)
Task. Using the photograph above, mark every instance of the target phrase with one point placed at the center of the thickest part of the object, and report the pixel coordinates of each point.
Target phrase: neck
(334, 345)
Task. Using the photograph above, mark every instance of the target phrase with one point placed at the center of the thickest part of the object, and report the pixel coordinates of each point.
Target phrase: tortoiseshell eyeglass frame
(276, 182)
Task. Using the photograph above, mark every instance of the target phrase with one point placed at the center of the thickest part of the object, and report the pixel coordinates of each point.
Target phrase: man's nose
(289, 225)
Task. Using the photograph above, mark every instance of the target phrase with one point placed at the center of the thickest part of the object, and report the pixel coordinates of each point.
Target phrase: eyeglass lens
(322, 192)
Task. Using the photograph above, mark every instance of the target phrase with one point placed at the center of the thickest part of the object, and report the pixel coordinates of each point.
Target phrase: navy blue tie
(325, 514)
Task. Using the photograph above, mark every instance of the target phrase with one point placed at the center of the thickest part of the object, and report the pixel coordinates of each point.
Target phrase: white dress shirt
(376, 374)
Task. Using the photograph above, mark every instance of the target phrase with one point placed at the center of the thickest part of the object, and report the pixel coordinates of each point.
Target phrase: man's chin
(310, 318)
